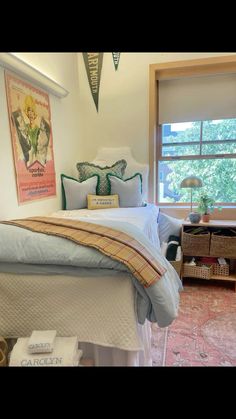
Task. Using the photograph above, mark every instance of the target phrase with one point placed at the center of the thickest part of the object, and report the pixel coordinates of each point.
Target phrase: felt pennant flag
(116, 59)
(93, 64)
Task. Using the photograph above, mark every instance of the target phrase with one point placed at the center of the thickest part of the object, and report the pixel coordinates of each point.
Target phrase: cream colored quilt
(66, 304)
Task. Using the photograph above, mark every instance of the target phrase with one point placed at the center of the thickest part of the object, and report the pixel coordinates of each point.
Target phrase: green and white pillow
(86, 170)
(74, 193)
(128, 190)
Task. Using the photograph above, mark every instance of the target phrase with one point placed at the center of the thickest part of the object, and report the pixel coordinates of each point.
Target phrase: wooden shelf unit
(224, 224)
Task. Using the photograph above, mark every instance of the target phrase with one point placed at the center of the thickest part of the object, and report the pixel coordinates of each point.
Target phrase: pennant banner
(116, 59)
(93, 64)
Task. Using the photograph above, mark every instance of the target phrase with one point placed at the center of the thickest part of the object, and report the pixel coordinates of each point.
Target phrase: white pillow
(168, 226)
(74, 193)
(128, 190)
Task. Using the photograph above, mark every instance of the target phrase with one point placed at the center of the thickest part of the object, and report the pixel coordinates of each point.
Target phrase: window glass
(218, 177)
(220, 129)
(181, 132)
(224, 148)
(188, 150)
(201, 140)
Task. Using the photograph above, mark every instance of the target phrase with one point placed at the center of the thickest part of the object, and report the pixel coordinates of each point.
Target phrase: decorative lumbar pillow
(86, 170)
(98, 202)
(129, 190)
(168, 226)
(74, 193)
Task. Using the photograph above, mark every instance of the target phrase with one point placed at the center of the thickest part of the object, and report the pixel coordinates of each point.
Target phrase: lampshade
(191, 182)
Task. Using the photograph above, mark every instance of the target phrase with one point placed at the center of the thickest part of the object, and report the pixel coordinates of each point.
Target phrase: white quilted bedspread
(66, 304)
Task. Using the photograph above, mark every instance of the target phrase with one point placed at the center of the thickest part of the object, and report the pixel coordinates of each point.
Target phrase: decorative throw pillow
(74, 193)
(98, 202)
(168, 226)
(86, 170)
(129, 190)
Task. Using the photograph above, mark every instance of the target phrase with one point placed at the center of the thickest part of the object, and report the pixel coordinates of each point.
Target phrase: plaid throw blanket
(113, 243)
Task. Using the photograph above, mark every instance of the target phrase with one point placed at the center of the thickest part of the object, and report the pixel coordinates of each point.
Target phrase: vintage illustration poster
(32, 141)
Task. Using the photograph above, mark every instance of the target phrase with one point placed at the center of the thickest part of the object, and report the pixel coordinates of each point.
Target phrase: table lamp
(192, 182)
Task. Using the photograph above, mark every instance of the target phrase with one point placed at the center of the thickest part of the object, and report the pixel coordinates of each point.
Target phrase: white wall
(78, 130)
(62, 67)
(123, 102)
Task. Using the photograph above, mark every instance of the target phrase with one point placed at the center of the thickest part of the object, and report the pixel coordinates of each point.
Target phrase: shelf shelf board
(209, 256)
(231, 277)
(212, 223)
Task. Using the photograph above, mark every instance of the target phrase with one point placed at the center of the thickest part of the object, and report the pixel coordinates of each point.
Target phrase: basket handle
(3, 345)
(3, 361)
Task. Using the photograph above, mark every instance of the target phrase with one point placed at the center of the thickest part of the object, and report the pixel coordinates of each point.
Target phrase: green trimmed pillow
(74, 193)
(86, 170)
(128, 190)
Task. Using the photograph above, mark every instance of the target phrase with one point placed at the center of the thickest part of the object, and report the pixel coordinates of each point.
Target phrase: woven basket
(205, 272)
(195, 244)
(3, 352)
(177, 264)
(220, 269)
(224, 246)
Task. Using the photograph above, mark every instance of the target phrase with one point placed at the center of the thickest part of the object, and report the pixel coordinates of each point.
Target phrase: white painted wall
(78, 130)
(62, 67)
(123, 102)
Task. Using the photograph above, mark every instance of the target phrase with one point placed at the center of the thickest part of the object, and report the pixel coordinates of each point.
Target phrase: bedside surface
(212, 223)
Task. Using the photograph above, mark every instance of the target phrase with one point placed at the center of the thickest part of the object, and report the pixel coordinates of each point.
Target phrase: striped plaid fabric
(116, 244)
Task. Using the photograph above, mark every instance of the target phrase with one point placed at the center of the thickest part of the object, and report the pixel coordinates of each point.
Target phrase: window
(206, 149)
(201, 92)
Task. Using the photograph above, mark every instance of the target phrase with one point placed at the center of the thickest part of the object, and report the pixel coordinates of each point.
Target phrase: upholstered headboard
(107, 156)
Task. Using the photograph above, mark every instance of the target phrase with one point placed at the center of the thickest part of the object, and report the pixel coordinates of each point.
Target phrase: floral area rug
(204, 334)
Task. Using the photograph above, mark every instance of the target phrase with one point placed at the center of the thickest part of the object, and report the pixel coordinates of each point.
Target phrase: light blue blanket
(27, 252)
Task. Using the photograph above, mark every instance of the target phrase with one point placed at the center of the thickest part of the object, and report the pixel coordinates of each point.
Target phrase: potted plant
(206, 206)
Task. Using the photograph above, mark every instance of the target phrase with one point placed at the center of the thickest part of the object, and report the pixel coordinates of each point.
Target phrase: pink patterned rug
(204, 334)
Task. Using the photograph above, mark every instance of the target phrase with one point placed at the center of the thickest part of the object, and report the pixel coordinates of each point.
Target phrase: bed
(98, 299)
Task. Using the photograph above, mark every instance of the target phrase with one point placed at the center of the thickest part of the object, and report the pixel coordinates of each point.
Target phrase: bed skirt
(103, 356)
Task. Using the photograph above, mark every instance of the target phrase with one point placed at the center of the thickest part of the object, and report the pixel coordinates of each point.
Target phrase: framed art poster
(32, 142)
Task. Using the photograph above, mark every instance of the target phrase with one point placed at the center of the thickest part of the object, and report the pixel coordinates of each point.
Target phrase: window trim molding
(172, 70)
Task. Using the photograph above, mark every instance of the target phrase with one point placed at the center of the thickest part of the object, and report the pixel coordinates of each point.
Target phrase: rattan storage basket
(223, 246)
(195, 244)
(220, 269)
(177, 264)
(198, 271)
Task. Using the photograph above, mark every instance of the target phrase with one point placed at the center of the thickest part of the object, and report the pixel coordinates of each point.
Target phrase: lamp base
(194, 217)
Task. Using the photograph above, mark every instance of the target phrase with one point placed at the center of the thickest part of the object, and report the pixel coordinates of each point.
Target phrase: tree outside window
(206, 149)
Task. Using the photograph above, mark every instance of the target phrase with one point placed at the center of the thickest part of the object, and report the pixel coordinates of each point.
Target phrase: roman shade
(197, 98)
